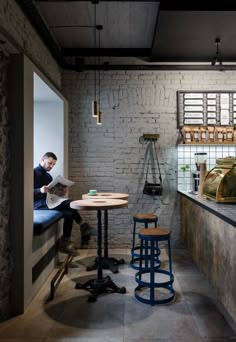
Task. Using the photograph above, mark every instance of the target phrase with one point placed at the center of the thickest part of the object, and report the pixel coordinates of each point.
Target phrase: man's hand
(44, 189)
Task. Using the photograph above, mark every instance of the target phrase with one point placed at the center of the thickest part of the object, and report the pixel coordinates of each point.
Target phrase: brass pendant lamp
(99, 116)
(95, 105)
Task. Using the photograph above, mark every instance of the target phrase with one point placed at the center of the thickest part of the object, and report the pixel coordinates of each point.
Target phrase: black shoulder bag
(153, 188)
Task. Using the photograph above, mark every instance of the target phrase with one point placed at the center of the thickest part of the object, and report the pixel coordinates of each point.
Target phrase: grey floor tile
(178, 339)
(165, 321)
(225, 339)
(103, 319)
(33, 324)
(183, 263)
(195, 283)
(23, 339)
(210, 321)
(192, 317)
(85, 339)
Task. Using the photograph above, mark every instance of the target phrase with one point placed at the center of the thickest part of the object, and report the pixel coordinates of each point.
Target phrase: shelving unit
(205, 108)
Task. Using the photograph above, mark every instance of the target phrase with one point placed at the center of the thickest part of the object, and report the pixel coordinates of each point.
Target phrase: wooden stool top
(145, 216)
(154, 231)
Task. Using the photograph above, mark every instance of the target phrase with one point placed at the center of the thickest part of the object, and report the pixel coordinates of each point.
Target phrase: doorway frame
(21, 113)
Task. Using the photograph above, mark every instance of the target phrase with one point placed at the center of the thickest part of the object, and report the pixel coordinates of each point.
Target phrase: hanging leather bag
(154, 189)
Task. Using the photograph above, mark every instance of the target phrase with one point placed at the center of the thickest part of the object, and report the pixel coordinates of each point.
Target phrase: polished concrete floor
(195, 315)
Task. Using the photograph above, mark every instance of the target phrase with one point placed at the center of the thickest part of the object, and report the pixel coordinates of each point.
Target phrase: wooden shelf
(208, 143)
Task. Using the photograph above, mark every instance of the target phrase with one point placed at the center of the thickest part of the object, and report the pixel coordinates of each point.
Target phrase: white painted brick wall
(18, 27)
(110, 157)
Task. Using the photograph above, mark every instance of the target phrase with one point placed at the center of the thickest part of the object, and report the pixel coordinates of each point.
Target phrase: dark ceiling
(135, 34)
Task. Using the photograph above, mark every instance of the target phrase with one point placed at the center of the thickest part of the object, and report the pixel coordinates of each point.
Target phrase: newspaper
(57, 191)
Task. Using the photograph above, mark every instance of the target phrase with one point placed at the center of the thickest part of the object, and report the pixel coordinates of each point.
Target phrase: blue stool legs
(148, 288)
(135, 250)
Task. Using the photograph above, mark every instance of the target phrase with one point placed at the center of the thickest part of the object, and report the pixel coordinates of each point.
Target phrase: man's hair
(49, 155)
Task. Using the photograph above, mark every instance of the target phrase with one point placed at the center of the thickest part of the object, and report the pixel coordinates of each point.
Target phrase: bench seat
(47, 231)
(43, 219)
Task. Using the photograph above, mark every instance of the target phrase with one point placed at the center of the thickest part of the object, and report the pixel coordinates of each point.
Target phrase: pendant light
(99, 116)
(95, 105)
(217, 59)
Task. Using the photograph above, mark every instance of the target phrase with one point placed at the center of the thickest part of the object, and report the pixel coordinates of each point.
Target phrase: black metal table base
(98, 286)
(108, 263)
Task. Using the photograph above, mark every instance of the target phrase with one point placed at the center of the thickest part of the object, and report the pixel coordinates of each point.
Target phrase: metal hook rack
(148, 137)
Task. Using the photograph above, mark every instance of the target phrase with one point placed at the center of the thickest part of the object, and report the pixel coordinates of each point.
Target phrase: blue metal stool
(145, 277)
(144, 218)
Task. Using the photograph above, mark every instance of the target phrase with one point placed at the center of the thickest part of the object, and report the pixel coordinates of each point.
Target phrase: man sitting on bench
(41, 179)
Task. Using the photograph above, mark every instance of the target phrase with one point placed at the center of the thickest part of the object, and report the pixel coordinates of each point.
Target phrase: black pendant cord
(95, 58)
(99, 42)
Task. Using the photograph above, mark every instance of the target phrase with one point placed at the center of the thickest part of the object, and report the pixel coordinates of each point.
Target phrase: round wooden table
(100, 284)
(107, 195)
(107, 262)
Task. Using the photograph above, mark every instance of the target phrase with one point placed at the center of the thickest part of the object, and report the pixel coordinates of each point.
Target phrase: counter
(225, 211)
(208, 229)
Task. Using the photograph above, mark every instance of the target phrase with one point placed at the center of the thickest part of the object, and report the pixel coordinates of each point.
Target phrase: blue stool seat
(43, 219)
(158, 278)
(145, 219)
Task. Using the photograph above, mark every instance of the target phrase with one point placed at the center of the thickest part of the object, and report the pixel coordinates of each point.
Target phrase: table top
(98, 204)
(112, 195)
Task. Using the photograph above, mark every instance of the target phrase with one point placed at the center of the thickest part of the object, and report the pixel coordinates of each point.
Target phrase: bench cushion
(43, 219)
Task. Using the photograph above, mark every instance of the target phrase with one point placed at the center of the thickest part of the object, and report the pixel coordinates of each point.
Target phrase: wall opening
(48, 124)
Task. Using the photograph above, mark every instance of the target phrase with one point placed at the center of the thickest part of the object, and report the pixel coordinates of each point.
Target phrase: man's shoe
(76, 246)
(67, 247)
(87, 229)
(86, 232)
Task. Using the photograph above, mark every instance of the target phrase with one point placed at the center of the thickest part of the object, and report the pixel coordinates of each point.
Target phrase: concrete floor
(194, 315)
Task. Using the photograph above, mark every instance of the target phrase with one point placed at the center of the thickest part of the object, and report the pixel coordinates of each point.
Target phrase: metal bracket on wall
(149, 137)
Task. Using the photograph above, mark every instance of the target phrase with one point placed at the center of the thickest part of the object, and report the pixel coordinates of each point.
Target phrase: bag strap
(153, 143)
(148, 163)
(157, 162)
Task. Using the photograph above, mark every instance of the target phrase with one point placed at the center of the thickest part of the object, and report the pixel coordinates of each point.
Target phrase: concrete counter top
(225, 211)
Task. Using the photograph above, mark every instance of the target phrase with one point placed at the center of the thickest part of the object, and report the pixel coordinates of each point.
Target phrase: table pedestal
(109, 263)
(100, 284)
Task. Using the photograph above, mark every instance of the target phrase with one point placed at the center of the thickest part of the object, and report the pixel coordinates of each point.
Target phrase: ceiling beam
(37, 22)
(107, 67)
(109, 52)
(98, 1)
(173, 5)
(156, 26)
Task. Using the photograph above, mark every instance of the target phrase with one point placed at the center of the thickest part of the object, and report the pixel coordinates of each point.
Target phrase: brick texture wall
(111, 158)
(5, 256)
(15, 24)
(17, 29)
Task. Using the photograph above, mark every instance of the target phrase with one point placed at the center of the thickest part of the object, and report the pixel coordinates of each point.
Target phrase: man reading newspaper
(52, 194)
